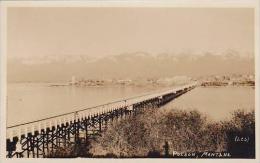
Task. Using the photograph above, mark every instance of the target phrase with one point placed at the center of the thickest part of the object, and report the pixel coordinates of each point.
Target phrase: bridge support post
(47, 140)
(37, 144)
(43, 142)
(100, 123)
(52, 140)
(86, 123)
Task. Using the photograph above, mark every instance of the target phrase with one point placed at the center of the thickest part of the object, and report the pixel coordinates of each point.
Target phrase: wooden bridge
(42, 137)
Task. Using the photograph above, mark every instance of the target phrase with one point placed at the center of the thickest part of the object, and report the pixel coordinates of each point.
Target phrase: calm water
(28, 102)
(217, 103)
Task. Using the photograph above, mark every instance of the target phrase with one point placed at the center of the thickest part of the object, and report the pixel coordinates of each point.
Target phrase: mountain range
(138, 65)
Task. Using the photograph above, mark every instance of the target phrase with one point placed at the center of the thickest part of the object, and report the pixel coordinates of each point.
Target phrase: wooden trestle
(41, 138)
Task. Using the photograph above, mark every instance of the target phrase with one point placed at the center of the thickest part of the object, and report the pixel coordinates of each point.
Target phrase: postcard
(101, 81)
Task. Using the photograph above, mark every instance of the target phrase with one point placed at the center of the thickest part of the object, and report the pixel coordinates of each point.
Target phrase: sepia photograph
(117, 81)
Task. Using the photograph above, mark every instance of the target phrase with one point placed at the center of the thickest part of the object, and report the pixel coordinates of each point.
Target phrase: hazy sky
(107, 31)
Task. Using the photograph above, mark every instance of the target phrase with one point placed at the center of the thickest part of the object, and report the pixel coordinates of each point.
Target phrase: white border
(145, 3)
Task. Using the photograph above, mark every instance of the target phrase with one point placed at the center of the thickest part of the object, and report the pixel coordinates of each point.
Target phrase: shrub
(155, 133)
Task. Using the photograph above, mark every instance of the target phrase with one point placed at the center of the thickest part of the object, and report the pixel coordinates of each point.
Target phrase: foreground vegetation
(159, 133)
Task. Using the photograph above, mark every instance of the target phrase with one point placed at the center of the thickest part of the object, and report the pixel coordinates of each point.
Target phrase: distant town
(206, 81)
(229, 80)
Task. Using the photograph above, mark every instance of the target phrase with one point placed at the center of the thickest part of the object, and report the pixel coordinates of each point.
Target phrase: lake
(216, 102)
(33, 101)
(28, 102)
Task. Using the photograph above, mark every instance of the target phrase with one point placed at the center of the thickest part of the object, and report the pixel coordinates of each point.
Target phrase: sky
(109, 31)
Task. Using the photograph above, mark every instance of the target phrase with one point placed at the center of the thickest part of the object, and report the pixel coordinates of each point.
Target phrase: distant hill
(130, 65)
